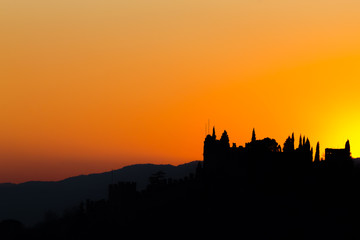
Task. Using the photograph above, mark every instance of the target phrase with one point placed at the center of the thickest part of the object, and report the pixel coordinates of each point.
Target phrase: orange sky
(89, 86)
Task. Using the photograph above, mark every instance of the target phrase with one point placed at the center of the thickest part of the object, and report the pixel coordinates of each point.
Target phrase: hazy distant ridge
(29, 201)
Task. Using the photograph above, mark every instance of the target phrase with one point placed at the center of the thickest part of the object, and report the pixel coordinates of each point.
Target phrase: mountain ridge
(29, 201)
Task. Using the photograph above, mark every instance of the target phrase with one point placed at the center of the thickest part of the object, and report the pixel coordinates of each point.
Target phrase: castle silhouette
(266, 159)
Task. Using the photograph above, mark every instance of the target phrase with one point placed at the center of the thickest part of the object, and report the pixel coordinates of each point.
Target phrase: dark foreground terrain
(320, 206)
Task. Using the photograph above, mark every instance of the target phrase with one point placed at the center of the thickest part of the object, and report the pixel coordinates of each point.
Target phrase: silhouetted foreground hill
(28, 202)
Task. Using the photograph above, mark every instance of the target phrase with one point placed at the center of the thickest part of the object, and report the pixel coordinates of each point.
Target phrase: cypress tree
(317, 153)
(307, 144)
(288, 145)
(304, 143)
(225, 139)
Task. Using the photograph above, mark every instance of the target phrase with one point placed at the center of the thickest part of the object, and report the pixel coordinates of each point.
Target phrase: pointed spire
(253, 138)
(300, 141)
(214, 135)
(347, 146)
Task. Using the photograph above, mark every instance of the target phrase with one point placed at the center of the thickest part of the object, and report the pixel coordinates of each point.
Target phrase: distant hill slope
(27, 202)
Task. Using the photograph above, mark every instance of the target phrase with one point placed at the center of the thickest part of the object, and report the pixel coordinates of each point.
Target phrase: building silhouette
(257, 157)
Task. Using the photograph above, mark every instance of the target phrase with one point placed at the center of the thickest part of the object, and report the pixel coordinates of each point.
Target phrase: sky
(91, 85)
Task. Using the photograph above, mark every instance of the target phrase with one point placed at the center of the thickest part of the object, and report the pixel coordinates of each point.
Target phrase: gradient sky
(89, 86)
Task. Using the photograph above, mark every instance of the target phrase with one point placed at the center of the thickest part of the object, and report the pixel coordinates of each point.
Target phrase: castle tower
(347, 146)
(213, 134)
(253, 138)
(224, 140)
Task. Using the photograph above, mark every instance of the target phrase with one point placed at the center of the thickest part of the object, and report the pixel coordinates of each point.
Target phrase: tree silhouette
(306, 144)
(157, 178)
(268, 144)
(303, 143)
(317, 153)
(225, 139)
(288, 145)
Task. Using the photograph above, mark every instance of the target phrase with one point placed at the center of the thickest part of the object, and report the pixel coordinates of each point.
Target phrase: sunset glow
(90, 86)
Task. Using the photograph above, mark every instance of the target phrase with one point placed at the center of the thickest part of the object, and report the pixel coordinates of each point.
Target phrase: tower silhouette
(253, 138)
